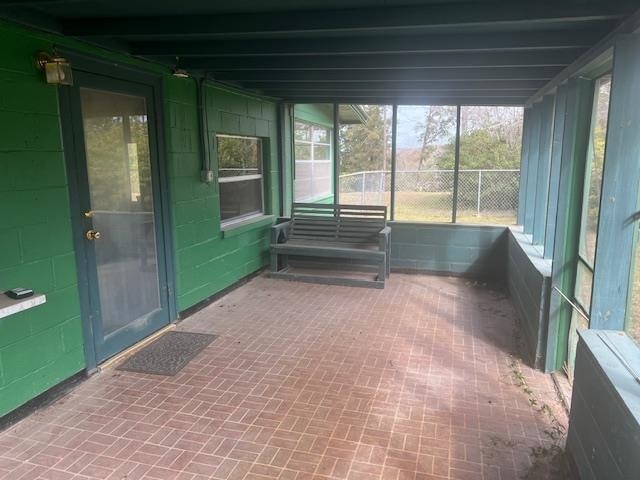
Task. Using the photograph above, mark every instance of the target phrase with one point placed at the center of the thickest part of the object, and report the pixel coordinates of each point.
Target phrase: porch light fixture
(57, 69)
(180, 73)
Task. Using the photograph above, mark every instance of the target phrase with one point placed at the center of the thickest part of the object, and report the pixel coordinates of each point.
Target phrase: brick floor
(316, 382)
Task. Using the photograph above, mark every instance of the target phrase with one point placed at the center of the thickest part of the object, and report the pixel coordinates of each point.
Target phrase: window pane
(488, 182)
(595, 161)
(304, 181)
(240, 198)
(322, 179)
(633, 318)
(303, 151)
(313, 147)
(321, 135)
(238, 156)
(303, 131)
(321, 152)
(584, 284)
(425, 159)
(365, 154)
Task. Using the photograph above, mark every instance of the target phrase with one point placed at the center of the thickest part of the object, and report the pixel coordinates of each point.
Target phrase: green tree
(366, 146)
(480, 149)
(238, 155)
(117, 150)
(438, 124)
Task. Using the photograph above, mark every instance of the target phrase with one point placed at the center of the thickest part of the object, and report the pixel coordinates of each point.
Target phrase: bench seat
(341, 232)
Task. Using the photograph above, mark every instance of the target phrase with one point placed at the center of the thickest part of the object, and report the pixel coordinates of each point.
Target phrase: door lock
(92, 235)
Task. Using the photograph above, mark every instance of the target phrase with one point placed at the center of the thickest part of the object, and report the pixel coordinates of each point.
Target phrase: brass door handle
(92, 235)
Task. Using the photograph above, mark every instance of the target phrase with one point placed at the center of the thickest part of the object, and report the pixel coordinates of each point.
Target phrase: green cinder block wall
(43, 346)
(208, 259)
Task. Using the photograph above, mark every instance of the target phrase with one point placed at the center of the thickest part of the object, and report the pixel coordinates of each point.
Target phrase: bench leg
(274, 262)
(388, 261)
(382, 269)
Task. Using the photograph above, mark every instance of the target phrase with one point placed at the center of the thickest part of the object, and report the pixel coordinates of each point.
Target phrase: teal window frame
(581, 255)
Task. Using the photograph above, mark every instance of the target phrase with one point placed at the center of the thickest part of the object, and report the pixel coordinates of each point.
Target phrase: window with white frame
(313, 161)
(240, 177)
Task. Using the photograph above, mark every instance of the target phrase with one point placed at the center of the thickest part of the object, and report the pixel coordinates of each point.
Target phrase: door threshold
(109, 363)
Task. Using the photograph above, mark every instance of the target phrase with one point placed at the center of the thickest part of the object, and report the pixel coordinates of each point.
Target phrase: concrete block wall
(529, 283)
(470, 250)
(208, 259)
(42, 346)
(604, 428)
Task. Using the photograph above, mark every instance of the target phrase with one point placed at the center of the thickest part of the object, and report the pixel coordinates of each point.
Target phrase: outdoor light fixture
(180, 73)
(57, 69)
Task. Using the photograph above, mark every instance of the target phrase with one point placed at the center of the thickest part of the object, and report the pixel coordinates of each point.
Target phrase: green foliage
(438, 125)
(481, 149)
(367, 146)
(118, 162)
(235, 153)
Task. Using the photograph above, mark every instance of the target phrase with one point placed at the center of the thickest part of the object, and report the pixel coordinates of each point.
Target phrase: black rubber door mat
(169, 354)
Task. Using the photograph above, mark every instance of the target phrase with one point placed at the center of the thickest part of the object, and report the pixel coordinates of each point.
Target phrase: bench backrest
(337, 223)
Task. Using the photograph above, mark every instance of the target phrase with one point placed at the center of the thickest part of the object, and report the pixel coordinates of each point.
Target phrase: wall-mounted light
(180, 73)
(57, 69)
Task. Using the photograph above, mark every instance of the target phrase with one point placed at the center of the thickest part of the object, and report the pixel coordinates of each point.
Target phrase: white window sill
(232, 229)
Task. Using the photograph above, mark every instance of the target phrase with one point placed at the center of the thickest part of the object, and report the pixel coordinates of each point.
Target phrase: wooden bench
(341, 232)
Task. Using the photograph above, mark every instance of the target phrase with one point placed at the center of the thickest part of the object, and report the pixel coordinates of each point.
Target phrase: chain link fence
(487, 196)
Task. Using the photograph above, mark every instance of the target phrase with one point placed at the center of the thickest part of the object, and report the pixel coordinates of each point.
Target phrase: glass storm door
(121, 222)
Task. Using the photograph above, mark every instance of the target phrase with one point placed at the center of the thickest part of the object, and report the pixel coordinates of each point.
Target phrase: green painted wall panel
(532, 167)
(41, 346)
(554, 172)
(206, 262)
(547, 116)
(617, 227)
(570, 185)
(527, 125)
(321, 114)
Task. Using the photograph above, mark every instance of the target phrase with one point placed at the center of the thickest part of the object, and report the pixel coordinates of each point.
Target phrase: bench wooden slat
(339, 206)
(334, 230)
(343, 228)
(332, 222)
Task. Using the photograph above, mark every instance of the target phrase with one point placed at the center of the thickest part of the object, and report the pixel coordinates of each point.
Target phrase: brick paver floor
(313, 382)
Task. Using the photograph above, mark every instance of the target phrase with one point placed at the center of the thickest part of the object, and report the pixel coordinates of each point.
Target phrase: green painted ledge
(235, 229)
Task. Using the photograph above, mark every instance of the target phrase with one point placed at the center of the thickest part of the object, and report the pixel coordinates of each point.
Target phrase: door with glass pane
(590, 215)
(121, 223)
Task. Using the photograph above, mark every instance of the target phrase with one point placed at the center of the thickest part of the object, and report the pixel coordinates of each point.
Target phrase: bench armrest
(385, 246)
(383, 237)
(280, 230)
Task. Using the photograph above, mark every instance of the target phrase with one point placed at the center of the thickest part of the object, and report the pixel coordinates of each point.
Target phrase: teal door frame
(92, 73)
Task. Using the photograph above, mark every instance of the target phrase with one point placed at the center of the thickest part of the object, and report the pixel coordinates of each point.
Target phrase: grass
(429, 207)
